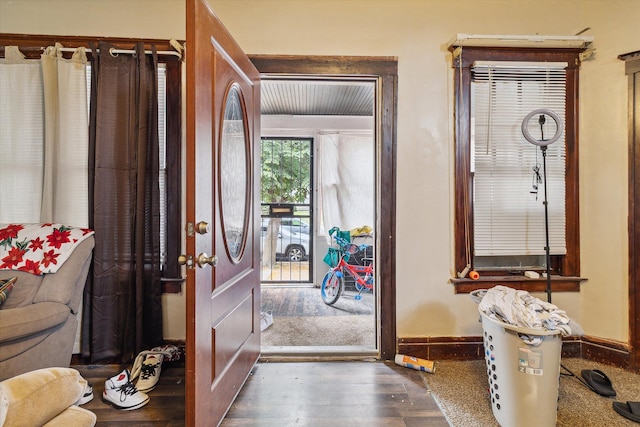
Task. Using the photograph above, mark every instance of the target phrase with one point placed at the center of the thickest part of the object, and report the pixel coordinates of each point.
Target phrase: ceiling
(317, 98)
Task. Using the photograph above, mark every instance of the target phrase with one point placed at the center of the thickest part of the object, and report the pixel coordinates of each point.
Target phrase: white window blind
(162, 139)
(508, 213)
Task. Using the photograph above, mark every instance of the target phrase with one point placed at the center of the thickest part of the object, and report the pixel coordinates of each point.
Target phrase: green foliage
(286, 170)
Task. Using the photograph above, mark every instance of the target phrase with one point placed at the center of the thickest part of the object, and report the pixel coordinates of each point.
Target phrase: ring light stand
(543, 143)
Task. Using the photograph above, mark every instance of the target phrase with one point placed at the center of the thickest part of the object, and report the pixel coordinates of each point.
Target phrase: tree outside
(285, 179)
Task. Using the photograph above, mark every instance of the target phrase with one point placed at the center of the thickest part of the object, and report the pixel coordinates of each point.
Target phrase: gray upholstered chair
(38, 321)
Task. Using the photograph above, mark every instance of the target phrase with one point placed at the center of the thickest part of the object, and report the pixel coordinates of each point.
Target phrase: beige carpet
(301, 318)
(307, 302)
(346, 330)
(460, 388)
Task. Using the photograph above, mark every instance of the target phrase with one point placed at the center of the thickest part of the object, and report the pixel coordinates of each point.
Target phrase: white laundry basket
(523, 378)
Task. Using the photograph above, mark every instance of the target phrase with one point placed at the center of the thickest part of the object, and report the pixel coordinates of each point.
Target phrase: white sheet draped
(347, 180)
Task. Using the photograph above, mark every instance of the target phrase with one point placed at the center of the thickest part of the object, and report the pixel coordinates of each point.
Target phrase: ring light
(542, 112)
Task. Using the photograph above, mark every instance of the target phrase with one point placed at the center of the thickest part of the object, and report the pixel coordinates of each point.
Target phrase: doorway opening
(383, 70)
(335, 117)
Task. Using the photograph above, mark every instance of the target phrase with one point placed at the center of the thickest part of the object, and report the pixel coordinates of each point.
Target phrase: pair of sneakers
(121, 392)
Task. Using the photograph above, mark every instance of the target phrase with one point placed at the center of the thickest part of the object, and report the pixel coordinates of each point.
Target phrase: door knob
(185, 260)
(203, 227)
(204, 259)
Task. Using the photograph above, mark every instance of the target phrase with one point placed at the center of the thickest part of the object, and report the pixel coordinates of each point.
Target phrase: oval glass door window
(233, 174)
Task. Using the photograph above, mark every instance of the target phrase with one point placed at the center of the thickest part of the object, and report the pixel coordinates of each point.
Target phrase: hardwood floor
(289, 393)
(165, 408)
(326, 394)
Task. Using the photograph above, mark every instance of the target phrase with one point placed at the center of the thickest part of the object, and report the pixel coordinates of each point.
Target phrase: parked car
(293, 239)
(294, 224)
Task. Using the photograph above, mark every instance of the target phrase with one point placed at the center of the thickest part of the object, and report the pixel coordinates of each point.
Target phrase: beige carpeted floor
(301, 318)
(460, 388)
(307, 302)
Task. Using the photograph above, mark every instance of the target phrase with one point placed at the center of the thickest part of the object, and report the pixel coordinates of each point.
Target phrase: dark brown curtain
(123, 314)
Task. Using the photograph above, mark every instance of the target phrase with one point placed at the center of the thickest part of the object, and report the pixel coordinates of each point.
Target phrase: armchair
(38, 320)
(45, 397)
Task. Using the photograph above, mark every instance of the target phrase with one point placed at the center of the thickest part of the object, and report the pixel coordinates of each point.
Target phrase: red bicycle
(333, 283)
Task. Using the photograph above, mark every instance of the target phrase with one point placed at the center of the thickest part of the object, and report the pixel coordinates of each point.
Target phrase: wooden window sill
(558, 283)
(172, 286)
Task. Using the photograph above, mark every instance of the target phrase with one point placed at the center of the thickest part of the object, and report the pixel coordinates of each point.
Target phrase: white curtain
(44, 138)
(65, 184)
(347, 180)
(21, 138)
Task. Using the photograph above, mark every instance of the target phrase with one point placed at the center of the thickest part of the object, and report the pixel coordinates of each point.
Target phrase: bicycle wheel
(332, 286)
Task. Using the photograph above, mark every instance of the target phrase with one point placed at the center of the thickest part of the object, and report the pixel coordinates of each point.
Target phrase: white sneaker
(150, 372)
(121, 393)
(266, 320)
(87, 396)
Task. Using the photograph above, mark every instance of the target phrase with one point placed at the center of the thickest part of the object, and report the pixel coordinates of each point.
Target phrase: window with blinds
(507, 171)
(21, 170)
(162, 178)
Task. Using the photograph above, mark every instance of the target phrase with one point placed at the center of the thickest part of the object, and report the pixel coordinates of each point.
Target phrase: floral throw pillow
(5, 287)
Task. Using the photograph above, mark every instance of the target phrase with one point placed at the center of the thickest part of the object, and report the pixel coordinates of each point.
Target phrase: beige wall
(162, 19)
(417, 32)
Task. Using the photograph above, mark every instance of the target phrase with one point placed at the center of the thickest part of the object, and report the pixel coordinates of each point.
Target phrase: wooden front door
(222, 252)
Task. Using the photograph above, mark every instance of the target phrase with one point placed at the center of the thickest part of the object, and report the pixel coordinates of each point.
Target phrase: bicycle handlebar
(344, 244)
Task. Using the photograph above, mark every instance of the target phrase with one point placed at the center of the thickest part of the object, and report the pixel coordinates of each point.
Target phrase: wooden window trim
(33, 45)
(566, 268)
(632, 70)
(558, 284)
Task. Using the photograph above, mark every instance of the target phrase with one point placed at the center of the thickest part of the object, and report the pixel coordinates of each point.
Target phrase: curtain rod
(113, 51)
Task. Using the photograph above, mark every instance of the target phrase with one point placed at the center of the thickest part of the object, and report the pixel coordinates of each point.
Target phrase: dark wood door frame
(385, 70)
(632, 69)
